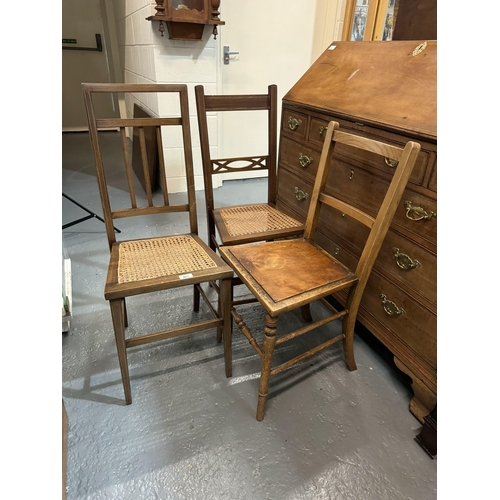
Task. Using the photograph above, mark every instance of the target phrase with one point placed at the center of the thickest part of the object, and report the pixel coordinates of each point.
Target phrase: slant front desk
(384, 90)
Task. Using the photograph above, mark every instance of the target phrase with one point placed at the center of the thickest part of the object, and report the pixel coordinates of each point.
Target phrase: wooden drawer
(406, 262)
(416, 327)
(294, 192)
(365, 190)
(294, 123)
(416, 214)
(317, 129)
(376, 164)
(414, 267)
(413, 216)
(433, 179)
(300, 158)
(368, 160)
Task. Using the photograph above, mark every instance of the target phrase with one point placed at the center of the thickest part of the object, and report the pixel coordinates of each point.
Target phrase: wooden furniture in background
(153, 264)
(390, 20)
(288, 274)
(186, 19)
(416, 20)
(384, 91)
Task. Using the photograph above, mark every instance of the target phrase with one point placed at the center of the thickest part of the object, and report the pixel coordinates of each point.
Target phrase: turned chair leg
(267, 358)
(118, 315)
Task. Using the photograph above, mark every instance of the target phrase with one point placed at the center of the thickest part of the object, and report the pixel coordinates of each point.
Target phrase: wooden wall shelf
(186, 19)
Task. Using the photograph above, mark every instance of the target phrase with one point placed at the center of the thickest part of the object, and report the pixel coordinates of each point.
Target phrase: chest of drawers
(384, 90)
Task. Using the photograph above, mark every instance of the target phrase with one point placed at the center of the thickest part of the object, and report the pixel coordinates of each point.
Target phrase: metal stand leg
(87, 217)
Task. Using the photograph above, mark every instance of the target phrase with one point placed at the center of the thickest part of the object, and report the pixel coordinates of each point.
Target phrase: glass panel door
(359, 20)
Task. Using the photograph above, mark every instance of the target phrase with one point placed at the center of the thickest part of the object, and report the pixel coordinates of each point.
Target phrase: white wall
(147, 57)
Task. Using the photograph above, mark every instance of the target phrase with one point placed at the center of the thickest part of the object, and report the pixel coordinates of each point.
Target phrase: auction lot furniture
(146, 264)
(288, 274)
(384, 91)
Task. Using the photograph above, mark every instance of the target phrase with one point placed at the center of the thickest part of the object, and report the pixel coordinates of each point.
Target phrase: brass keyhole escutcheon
(390, 162)
(419, 48)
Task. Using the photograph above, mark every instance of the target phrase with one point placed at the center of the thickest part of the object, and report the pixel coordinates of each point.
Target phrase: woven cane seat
(251, 219)
(157, 257)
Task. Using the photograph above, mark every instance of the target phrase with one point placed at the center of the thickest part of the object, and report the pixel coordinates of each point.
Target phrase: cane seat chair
(266, 268)
(249, 222)
(161, 262)
(245, 223)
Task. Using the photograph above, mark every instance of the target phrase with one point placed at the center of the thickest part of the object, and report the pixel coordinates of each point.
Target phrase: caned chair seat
(254, 222)
(153, 261)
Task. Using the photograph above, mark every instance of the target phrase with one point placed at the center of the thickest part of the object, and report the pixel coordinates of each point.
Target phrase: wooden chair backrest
(212, 166)
(97, 123)
(378, 224)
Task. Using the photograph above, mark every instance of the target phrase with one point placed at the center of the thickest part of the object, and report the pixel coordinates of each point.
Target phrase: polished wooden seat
(148, 264)
(288, 274)
(249, 222)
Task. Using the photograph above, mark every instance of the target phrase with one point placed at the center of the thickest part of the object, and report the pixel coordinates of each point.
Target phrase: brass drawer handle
(293, 123)
(300, 195)
(390, 307)
(405, 261)
(322, 131)
(418, 213)
(390, 162)
(304, 160)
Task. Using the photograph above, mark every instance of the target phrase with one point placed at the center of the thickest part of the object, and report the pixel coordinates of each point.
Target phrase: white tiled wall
(151, 58)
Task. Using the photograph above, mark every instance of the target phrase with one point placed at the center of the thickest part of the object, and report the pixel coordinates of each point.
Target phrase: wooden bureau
(383, 90)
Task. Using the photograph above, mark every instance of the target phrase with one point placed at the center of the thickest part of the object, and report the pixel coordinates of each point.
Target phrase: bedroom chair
(276, 273)
(146, 263)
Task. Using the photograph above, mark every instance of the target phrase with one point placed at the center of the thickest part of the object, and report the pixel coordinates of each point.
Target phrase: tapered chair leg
(267, 359)
(125, 315)
(348, 341)
(196, 299)
(219, 306)
(118, 314)
(225, 309)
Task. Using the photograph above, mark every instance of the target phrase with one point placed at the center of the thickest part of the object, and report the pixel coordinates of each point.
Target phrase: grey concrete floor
(190, 432)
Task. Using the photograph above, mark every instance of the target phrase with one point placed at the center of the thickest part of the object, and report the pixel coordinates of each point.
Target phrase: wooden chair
(251, 222)
(284, 275)
(165, 262)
